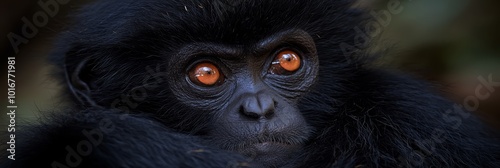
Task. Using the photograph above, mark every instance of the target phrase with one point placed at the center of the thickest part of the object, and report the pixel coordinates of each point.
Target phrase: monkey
(246, 83)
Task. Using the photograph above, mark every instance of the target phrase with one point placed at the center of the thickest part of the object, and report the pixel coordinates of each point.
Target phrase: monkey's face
(250, 92)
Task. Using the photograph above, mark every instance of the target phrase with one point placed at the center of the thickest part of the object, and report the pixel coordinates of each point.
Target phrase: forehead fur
(226, 21)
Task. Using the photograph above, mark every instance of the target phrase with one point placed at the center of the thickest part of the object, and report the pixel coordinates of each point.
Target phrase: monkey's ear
(78, 82)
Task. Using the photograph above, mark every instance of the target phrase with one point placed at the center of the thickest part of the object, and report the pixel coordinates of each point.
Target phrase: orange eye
(285, 61)
(205, 74)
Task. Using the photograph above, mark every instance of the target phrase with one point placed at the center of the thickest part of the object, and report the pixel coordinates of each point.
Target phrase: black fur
(361, 116)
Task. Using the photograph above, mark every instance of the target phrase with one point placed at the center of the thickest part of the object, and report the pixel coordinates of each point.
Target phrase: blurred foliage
(448, 42)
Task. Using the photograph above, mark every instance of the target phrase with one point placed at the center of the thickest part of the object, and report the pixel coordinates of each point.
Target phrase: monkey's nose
(258, 106)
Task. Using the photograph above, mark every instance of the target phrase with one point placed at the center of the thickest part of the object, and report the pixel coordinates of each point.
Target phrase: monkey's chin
(271, 154)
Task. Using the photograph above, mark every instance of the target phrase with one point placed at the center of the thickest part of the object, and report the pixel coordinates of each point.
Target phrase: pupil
(287, 57)
(207, 70)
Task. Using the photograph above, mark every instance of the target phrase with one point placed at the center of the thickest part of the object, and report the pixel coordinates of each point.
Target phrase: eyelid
(200, 59)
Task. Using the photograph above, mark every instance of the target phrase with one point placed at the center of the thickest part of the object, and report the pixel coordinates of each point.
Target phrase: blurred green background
(449, 43)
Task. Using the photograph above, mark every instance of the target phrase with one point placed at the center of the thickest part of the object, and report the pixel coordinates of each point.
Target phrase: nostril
(248, 113)
(269, 109)
(269, 114)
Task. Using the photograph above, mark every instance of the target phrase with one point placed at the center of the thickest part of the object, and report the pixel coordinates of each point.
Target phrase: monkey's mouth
(268, 146)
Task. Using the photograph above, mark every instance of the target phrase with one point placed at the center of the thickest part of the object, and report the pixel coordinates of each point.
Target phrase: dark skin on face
(251, 92)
